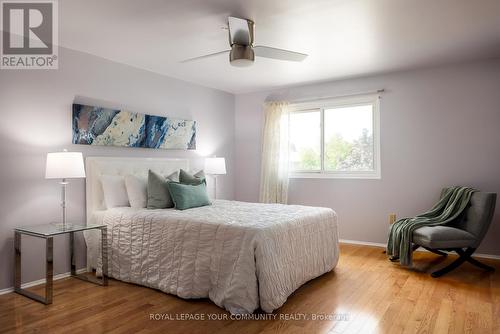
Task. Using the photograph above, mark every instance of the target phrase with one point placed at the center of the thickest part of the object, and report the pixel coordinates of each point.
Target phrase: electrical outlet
(392, 218)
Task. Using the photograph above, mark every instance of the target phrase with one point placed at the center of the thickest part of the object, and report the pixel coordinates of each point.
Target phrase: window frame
(321, 105)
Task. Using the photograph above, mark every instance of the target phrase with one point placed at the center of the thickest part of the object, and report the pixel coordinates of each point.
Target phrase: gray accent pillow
(186, 196)
(193, 180)
(158, 195)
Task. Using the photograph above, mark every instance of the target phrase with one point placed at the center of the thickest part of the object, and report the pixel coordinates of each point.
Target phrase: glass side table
(47, 232)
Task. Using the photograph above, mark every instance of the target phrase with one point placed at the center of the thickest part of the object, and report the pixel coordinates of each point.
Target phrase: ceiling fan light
(241, 56)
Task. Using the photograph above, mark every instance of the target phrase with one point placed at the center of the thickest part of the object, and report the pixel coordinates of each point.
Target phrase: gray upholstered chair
(462, 235)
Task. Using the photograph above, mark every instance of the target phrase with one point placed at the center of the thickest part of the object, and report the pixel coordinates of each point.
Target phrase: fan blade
(274, 53)
(205, 56)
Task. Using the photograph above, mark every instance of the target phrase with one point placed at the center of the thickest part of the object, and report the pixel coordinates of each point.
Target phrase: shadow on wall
(491, 237)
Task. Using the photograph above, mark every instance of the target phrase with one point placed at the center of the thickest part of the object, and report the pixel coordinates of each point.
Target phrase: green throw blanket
(452, 203)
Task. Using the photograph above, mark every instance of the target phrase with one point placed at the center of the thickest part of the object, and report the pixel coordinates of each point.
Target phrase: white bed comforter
(240, 255)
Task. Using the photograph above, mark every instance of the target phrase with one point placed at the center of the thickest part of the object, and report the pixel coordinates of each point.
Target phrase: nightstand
(47, 232)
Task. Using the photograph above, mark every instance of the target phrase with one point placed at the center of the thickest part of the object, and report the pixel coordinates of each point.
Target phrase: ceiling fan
(243, 52)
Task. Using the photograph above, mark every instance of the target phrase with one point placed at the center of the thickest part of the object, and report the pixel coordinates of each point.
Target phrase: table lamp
(64, 165)
(215, 166)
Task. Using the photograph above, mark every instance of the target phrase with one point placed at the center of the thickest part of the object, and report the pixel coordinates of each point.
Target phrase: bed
(243, 256)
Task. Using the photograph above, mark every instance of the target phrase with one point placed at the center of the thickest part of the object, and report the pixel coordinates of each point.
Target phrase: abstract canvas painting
(113, 127)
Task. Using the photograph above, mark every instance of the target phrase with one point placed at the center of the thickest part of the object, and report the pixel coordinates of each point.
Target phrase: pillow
(187, 196)
(194, 180)
(137, 191)
(115, 193)
(158, 195)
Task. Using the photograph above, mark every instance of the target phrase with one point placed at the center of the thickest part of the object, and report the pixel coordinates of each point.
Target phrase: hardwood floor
(366, 293)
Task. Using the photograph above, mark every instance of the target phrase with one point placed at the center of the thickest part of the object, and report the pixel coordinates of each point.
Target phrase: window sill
(318, 175)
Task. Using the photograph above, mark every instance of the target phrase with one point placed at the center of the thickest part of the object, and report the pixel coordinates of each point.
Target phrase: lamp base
(215, 187)
(64, 184)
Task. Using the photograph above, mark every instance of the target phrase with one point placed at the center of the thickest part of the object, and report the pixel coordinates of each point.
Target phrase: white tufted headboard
(97, 166)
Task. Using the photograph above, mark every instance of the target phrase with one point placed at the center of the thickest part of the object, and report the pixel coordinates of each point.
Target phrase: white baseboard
(42, 281)
(377, 244)
(487, 256)
(364, 243)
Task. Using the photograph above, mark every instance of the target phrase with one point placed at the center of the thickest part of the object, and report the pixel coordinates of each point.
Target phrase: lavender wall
(35, 109)
(439, 127)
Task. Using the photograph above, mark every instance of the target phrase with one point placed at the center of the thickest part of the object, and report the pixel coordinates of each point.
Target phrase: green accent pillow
(194, 180)
(187, 196)
(158, 194)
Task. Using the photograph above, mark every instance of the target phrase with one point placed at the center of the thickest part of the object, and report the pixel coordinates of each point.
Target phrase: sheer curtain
(274, 159)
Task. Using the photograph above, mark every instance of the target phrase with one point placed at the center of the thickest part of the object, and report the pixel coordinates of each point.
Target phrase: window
(337, 138)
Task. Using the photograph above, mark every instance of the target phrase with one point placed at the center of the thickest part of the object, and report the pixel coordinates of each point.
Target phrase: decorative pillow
(194, 180)
(137, 191)
(187, 196)
(115, 193)
(158, 195)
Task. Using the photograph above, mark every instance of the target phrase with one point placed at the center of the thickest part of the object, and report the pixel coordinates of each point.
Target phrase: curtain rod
(337, 96)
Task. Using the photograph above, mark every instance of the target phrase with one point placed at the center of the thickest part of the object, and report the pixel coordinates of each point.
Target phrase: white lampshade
(215, 166)
(64, 165)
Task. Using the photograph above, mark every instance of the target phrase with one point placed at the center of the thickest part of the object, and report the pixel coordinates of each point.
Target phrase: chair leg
(463, 256)
(452, 266)
(475, 262)
(480, 264)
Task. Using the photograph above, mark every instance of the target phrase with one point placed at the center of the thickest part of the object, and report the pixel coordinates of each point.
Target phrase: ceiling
(344, 38)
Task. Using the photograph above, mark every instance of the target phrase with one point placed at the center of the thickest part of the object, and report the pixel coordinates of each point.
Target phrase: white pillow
(115, 193)
(137, 191)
